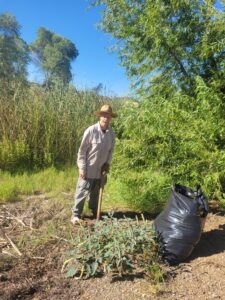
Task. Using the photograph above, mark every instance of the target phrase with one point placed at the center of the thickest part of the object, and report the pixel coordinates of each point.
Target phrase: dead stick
(38, 257)
(8, 253)
(17, 219)
(13, 245)
(11, 242)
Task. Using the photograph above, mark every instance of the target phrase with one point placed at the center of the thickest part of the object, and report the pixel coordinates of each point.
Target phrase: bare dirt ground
(34, 272)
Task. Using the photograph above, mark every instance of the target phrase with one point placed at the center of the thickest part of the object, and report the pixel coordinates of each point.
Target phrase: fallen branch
(8, 253)
(13, 245)
(31, 224)
(17, 219)
(37, 257)
(3, 243)
(67, 194)
(60, 238)
(11, 242)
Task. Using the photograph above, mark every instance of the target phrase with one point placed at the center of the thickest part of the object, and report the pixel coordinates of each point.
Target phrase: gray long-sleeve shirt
(95, 149)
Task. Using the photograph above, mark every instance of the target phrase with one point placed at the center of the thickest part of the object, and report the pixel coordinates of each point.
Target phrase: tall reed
(41, 127)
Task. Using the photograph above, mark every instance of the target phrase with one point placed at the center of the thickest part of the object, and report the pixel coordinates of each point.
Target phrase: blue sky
(71, 19)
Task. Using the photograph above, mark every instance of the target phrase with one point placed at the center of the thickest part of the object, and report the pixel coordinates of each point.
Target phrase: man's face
(104, 120)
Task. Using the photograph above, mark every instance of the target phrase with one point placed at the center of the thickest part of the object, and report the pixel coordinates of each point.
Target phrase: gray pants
(88, 188)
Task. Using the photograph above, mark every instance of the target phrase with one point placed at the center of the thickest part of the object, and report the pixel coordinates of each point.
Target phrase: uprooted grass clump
(118, 246)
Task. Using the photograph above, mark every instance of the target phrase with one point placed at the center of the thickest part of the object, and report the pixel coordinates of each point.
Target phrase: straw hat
(106, 109)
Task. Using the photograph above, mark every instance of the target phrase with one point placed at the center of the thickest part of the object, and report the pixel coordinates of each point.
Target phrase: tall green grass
(57, 184)
(51, 181)
(40, 127)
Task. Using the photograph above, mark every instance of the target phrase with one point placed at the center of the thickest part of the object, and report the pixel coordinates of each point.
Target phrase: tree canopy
(14, 52)
(174, 51)
(54, 54)
(172, 41)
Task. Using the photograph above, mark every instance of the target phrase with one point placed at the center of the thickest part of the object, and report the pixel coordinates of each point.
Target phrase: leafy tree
(180, 139)
(175, 40)
(54, 54)
(14, 52)
(174, 51)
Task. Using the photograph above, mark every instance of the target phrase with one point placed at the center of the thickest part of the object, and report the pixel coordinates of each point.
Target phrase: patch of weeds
(117, 246)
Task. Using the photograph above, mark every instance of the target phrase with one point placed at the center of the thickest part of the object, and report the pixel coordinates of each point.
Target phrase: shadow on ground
(130, 215)
(211, 242)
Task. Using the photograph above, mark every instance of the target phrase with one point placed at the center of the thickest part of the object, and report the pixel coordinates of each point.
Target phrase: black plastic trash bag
(179, 226)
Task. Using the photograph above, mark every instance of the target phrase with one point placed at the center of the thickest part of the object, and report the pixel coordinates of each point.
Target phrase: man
(94, 157)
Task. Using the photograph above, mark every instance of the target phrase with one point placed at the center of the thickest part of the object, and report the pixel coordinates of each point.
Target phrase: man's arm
(82, 154)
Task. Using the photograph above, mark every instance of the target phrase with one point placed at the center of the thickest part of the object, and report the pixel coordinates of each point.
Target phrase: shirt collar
(100, 129)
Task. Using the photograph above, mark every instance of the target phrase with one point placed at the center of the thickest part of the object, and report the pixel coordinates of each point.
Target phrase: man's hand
(82, 174)
(105, 169)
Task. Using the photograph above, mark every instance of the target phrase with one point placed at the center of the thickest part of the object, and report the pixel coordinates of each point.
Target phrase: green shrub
(171, 138)
(145, 190)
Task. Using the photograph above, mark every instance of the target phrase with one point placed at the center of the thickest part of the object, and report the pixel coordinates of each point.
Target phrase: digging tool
(102, 183)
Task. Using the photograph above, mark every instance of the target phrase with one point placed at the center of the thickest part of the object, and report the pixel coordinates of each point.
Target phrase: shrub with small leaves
(117, 246)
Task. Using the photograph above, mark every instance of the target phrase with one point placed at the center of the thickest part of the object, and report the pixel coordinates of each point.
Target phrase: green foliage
(177, 40)
(54, 54)
(174, 52)
(113, 246)
(142, 189)
(42, 127)
(14, 52)
(175, 139)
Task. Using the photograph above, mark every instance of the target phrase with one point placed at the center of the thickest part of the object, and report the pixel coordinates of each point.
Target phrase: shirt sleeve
(112, 148)
(82, 152)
